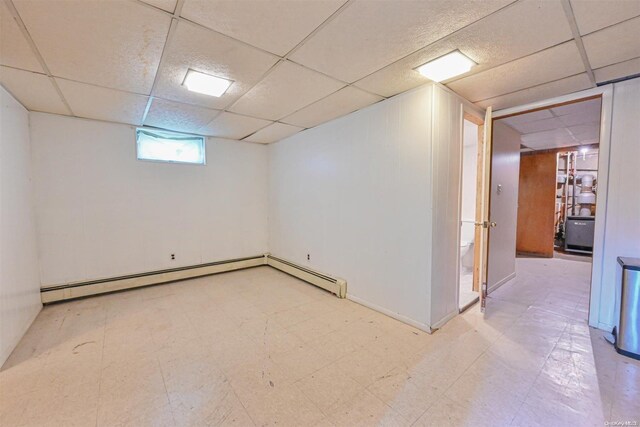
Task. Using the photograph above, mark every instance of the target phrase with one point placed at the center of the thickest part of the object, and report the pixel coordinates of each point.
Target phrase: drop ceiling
(295, 64)
(567, 125)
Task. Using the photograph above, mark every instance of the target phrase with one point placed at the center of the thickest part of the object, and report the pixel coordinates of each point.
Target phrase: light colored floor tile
(258, 347)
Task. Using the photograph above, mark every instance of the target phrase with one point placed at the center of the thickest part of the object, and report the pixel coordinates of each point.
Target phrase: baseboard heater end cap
(334, 285)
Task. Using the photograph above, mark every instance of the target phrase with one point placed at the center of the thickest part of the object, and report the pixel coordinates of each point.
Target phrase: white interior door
(483, 223)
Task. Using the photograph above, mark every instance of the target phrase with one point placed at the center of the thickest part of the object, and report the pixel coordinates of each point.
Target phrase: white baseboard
(83, 289)
(501, 282)
(439, 324)
(390, 313)
(331, 284)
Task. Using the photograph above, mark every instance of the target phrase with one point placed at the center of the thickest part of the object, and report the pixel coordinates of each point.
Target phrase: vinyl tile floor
(466, 294)
(257, 347)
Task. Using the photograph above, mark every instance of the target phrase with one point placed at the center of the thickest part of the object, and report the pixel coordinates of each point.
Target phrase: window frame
(177, 135)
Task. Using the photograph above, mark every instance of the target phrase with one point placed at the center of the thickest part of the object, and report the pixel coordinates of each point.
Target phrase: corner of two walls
(19, 268)
(372, 197)
(102, 213)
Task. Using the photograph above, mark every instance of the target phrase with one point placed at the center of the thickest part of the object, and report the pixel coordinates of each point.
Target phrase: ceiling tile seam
(302, 128)
(443, 38)
(281, 119)
(530, 87)
(507, 63)
(163, 56)
(344, 82)
(595, 69)
(127, 92)
(256, 131)
(568, 11)
(159, 9)
(624, 21)
(464, 76)
(232, 103)
(281, 58)
(25, 33)
(176, 15)
(315, 31)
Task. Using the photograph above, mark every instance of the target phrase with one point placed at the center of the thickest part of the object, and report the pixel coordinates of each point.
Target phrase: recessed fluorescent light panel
(447, 66)
(203, 83)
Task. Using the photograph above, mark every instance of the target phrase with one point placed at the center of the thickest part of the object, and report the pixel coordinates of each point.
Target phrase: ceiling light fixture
(584, 151)
(450, 65)
(196, 81)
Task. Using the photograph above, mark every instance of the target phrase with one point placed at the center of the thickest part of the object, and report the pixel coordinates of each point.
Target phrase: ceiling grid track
(568, 10)
(530, 87)
(441, 39)
(337, 16)
(170, 33)
(282, 59)
(16, 16)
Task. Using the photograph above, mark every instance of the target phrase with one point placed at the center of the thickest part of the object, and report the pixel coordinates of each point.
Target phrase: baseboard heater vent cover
(331, 284)
(94, 287)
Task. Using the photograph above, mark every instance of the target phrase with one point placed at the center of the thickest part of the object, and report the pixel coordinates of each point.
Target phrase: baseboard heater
(331, 284)
(75, 290)
(94, 287)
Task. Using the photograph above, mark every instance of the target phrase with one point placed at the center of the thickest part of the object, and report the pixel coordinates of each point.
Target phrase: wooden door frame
(473, 116)
(606, 114)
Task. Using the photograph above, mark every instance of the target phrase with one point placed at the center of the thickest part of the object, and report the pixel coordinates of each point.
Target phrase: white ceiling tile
(211, 53)
(286, 89)
(547, 135)
(552, 137)
(589, 107)
(340, 103)
(537, 93)
(35, 91)
(545, 145)
(520, 29)
(273, 133)
(14, 48)
(592, 15)
(233, 126)
(613, 44)
(617, 71)
(550, 64)
(579, 119)
(100, 103)
(368, 35)
(168, 5)
(276, 26)
(178, 117)
(584, 132)
(539, 125)
(113, 43)
(514, 121)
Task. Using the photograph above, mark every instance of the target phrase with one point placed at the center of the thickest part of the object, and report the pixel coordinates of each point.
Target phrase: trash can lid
(629, 263)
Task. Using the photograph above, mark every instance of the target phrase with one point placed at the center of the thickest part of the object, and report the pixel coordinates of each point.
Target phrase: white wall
(19, 281)
(505, 171)
(102, 213)
(445, 204)
(355, 195)
(622, 223)
(469, 182)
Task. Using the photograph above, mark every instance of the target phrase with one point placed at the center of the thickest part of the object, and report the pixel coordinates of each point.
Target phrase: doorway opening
(468, 289)
(557, 182)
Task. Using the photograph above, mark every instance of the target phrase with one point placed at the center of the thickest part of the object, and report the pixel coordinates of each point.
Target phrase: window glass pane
(170, 147)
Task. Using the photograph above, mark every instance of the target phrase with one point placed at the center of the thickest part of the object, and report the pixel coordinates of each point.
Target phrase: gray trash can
(627, 330)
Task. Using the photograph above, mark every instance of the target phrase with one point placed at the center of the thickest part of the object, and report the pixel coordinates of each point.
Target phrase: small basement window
(161, 146)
